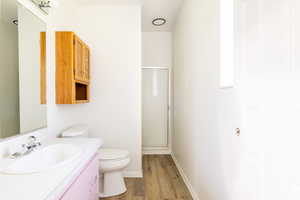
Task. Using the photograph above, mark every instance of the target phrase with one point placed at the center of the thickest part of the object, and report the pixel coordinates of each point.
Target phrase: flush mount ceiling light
(159, 21)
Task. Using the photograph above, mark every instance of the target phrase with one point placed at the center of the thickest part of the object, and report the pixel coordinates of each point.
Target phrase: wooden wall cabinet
(72, 69)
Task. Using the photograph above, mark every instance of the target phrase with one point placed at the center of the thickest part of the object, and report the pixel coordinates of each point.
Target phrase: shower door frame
(168, 148)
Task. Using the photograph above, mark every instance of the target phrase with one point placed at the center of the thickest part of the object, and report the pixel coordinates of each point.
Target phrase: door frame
(168, 149)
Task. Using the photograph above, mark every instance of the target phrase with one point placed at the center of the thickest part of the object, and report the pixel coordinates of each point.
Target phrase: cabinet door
(79, 59)
(86, 186)
(86, 68)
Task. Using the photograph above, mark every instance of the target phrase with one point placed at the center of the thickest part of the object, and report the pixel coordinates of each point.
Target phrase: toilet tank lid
(76, 130)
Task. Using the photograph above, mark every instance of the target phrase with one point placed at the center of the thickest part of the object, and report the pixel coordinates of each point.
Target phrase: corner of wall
(185, 179)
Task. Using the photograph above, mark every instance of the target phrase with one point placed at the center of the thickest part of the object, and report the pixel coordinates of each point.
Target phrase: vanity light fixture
(48, 3)
(45, 5)
(159, 21)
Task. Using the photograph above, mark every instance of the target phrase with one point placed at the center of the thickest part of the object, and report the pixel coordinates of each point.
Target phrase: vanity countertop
(49, 185)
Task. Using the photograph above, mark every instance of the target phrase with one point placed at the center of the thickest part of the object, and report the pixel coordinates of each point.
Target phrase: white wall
(263, 162)
(114, 113)
(157, 49)
(205, 117)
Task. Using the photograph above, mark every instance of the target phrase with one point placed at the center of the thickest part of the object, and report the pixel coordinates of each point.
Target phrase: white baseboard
(156, 150)
(133, 174)
(185, 179)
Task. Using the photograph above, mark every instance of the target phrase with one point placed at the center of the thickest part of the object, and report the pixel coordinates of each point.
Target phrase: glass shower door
(155, 107)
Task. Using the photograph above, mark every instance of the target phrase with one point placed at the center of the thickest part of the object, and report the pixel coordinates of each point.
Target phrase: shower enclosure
(155, 101)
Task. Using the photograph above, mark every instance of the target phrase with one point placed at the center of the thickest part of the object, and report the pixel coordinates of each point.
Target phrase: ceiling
(167, 9)
(151, 9)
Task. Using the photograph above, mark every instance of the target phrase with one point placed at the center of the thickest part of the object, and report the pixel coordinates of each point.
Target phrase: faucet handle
(32, 143)
(25, 147)
(32, 138)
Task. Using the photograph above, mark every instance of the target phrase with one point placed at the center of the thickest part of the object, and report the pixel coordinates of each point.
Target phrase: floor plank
(161, 181)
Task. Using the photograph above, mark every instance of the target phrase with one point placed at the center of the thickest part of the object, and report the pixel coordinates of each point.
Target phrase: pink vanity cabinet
(85, 186)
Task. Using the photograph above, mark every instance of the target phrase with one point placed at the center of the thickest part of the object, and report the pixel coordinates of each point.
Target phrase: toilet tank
(77, 131)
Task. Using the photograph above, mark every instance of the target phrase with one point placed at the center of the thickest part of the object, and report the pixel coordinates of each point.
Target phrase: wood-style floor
(161, 181)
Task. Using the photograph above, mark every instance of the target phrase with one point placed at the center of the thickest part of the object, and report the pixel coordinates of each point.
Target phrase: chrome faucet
(32, 144)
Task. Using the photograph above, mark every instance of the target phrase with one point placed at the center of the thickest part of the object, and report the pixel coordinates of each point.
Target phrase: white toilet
(111, 163)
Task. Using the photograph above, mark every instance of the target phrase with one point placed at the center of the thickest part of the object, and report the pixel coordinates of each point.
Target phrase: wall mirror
(23, 70)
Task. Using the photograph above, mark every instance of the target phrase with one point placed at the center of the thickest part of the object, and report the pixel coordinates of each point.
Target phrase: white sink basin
(47, 158)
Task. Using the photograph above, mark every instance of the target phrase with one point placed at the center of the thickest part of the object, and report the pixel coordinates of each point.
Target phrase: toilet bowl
(112, 163)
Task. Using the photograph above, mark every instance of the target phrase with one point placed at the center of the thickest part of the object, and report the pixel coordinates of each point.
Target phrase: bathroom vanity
(73, 179)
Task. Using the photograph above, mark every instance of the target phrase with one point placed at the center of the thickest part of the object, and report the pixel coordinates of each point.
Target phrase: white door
(155, 107)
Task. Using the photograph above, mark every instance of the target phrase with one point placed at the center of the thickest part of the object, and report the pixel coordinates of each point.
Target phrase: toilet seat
(112, 154)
